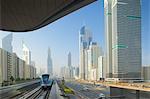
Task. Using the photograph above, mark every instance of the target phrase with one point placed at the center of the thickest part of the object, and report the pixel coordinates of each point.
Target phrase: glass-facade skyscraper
(85, 39)
(26, 53)
(123, 38)
(7, 43)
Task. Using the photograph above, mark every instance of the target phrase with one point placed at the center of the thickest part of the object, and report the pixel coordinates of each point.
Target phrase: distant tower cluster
(68, 72)
(49, 63)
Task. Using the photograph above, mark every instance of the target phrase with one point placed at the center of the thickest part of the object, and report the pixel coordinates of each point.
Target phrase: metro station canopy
(28, 15)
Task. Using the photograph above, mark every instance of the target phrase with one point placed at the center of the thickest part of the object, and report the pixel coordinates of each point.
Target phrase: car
(100, 86)
(97, 85)
(85, 88)
(102, 96)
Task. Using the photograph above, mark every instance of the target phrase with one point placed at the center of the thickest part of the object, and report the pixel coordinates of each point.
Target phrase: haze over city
(75, 49)
(62, 36)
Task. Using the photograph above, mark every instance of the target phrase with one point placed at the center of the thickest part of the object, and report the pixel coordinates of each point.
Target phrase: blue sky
(62, 35)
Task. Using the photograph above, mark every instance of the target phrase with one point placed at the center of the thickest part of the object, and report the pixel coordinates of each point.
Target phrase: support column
(116, 92)
(137, 94)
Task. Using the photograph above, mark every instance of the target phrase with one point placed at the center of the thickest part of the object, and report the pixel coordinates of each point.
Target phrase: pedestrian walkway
(55, 92)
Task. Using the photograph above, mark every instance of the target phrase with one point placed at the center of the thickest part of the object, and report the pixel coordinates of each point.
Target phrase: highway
(92, 92)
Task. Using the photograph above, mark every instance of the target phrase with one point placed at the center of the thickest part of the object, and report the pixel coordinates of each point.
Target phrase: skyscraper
(26, 53)
(7, 43)
(92, 67)
(49, 63)
(123, 38)
(69, 60)
(1, 67)
(84, 41)
(70, 66)
(5, 65)
(108, 34)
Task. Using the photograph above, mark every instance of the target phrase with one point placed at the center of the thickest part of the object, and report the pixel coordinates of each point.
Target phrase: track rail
(40, 94)
(47, 94)
(17, 91)
(37, 94)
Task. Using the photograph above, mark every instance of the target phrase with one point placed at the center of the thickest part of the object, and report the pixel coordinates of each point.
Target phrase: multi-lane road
(88, 91)
(91, 91)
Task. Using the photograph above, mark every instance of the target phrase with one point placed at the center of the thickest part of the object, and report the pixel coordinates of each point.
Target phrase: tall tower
(70, 75)
(49, 63)
(84, 41)
(123, 38)
(108, 34)
(7, 43)
(69, 60)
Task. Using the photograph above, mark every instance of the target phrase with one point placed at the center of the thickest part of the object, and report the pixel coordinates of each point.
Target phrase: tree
(12, 79)
(63, 81)
(18, 79)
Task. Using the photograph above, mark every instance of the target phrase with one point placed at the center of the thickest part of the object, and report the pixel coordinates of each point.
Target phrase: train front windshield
(45, 78)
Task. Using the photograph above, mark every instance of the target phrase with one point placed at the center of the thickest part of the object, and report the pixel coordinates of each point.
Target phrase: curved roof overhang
(29, 15)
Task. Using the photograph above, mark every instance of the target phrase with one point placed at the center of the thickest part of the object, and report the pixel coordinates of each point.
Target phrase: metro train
(46, 82)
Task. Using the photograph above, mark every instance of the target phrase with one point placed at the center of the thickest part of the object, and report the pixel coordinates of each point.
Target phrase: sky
(62, 36)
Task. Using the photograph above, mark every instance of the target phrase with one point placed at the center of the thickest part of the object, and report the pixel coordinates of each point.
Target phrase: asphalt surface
(92, 92)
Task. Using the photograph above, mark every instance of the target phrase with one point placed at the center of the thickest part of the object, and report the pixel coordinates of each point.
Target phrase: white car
(101, 96)
(85, 88)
